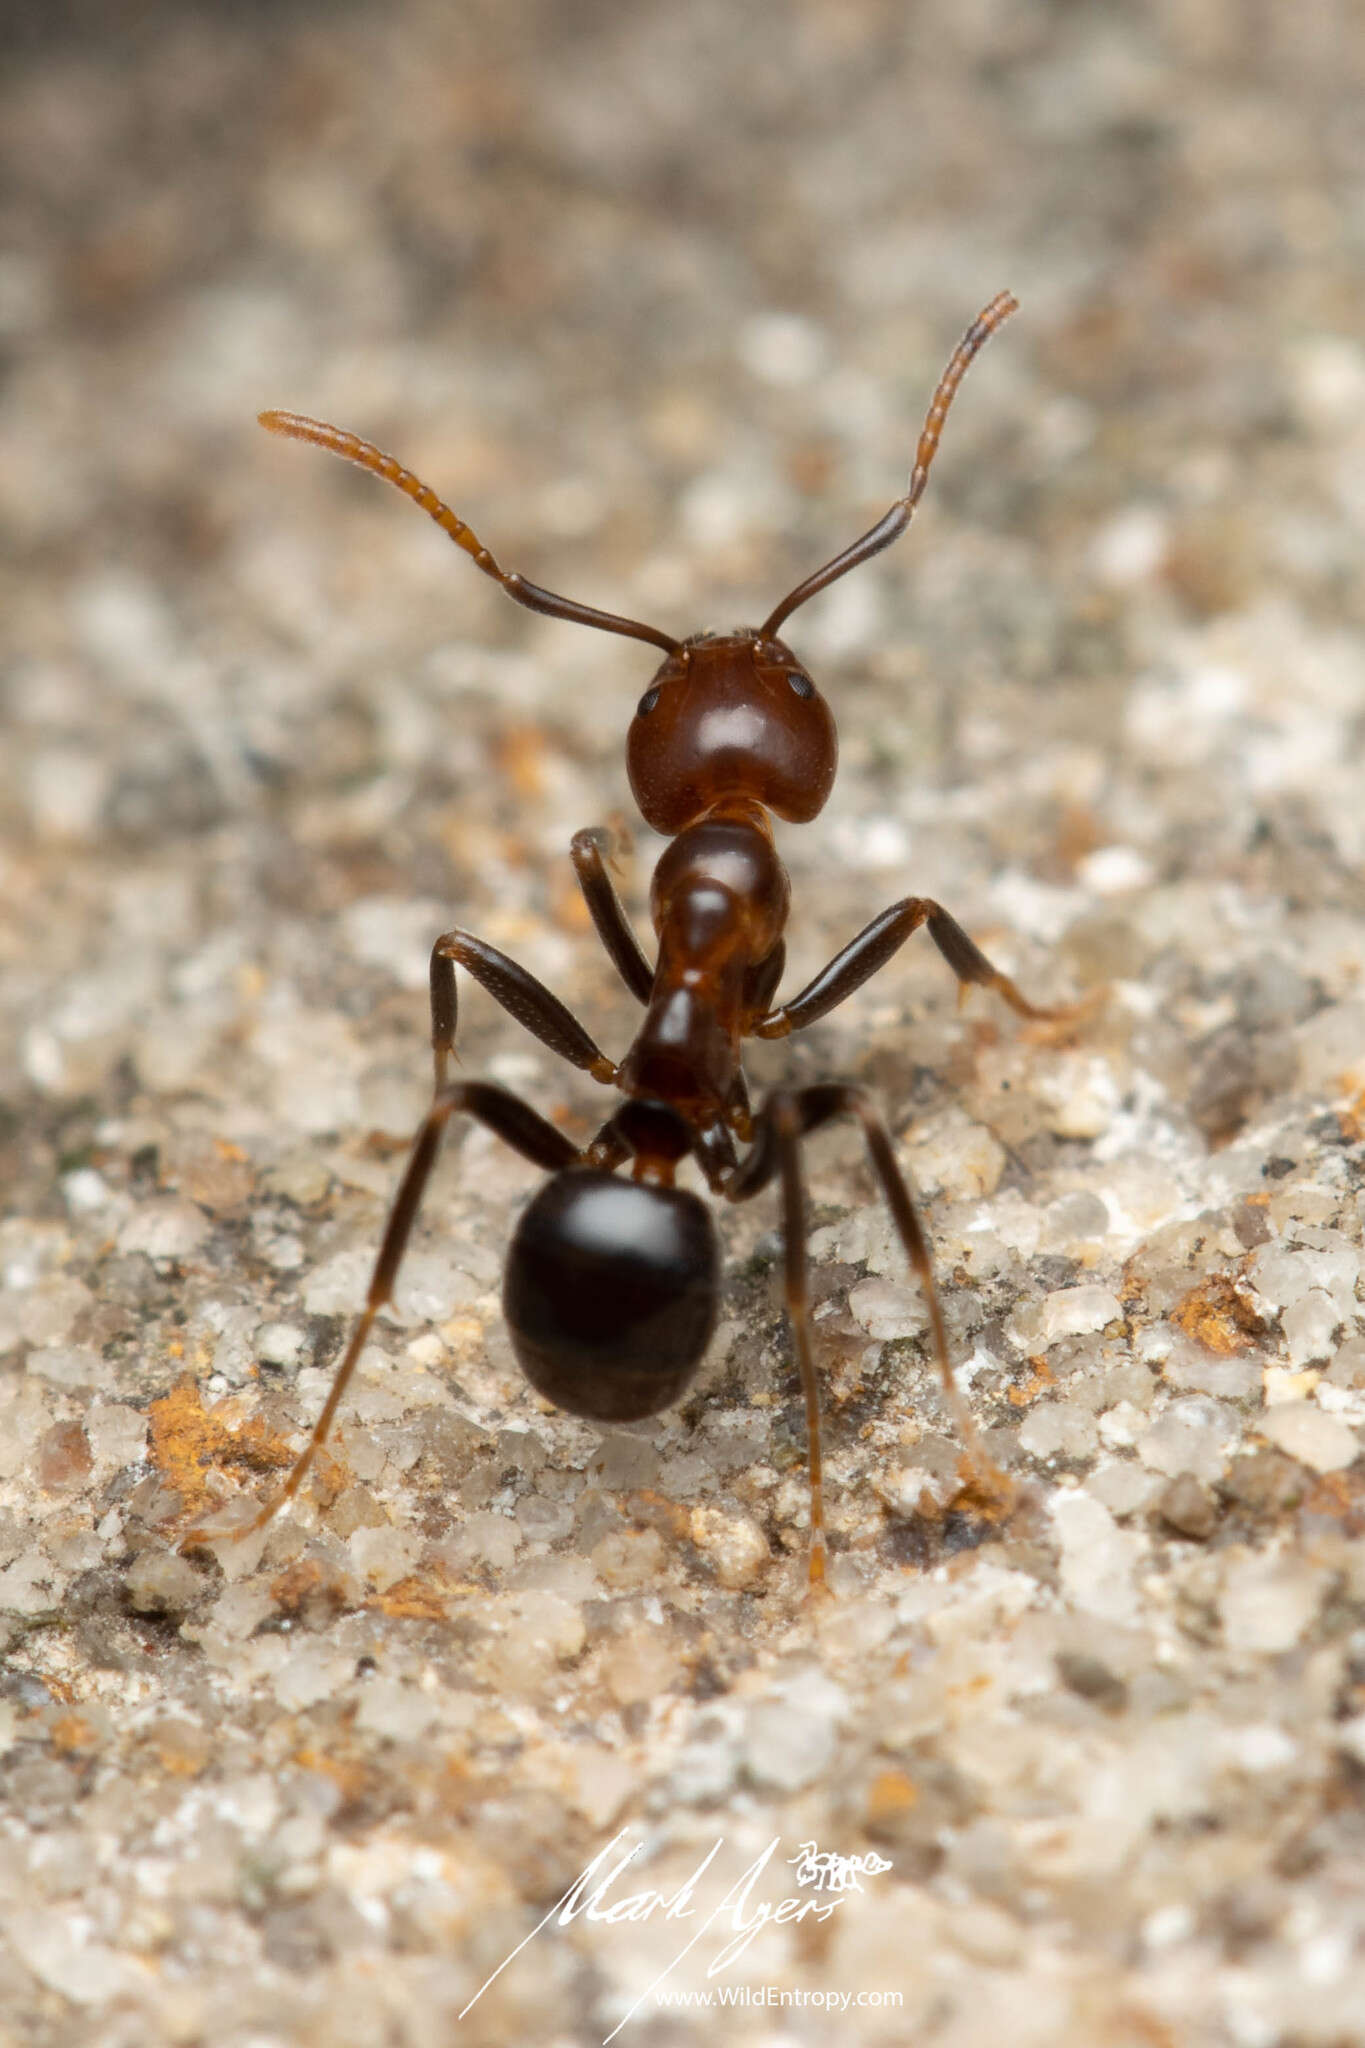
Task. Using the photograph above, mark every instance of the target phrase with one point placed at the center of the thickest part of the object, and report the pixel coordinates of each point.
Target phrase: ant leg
(909, 1229)
(786, 1118)
(590, 851)
(871, 950)
(510, 1119)
(519, 993)
(781, 1127)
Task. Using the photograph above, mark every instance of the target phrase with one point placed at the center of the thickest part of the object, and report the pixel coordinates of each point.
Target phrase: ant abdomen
(611, 1293)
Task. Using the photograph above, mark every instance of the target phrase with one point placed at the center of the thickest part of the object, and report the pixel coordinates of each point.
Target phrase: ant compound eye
(802, 686)
(648, 701)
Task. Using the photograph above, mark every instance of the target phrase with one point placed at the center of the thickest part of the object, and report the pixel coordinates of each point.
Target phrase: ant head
(731, 715)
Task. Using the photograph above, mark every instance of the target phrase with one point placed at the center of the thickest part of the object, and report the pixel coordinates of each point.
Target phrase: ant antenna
(296, 427)
(893, 524)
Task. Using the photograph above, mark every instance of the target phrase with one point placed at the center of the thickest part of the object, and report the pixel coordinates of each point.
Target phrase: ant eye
(802, 686)
(648, 701)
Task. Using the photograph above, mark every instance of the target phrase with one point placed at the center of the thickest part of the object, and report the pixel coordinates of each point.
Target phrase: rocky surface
(657, 296)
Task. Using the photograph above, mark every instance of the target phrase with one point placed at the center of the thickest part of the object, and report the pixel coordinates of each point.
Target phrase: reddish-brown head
(731, 715)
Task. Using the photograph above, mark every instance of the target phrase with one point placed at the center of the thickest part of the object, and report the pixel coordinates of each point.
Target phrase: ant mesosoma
(612, 1286)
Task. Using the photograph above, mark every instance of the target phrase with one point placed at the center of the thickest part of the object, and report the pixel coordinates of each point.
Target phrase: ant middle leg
(510, 1119)
(519, 993)
(875, 945)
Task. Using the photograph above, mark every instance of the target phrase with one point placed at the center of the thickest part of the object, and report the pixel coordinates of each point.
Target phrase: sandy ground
(657, 295)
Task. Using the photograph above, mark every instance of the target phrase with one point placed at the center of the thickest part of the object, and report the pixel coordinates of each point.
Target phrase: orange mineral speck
(189, 1440)
(411, 1599)
(1217, 1316)
(1041, 1378)
(890, 1794)
(1352, 1119)
(72, 1735)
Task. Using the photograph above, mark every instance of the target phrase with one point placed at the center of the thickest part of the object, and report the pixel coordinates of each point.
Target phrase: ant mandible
(612, 1286)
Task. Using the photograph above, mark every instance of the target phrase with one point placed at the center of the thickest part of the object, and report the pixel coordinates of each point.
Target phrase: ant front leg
(590, 852)
(510, 1119)
(787, 1117)
(520, 994)
(873, 947)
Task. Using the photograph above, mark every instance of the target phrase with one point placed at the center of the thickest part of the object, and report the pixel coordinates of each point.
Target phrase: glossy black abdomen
(611, 1293)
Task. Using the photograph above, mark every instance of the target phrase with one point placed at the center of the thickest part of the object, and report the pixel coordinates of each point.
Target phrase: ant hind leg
(787, 1117)
(510, 1119)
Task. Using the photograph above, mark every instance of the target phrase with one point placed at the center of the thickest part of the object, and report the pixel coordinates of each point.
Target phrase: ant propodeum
(612, 1283)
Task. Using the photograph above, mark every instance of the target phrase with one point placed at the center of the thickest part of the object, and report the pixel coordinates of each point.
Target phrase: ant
(612, 1285)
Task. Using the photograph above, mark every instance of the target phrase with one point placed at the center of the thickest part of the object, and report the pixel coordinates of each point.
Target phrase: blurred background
(656, 295)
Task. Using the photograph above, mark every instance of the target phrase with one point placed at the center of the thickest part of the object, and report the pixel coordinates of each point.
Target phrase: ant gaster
(612, 1285)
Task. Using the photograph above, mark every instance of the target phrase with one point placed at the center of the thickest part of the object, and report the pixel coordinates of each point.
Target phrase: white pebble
(1350, 1736)
(789, 1739)
(384, 1555)
(1115, 870)
(486, 1539)
(1260, 1747)
(1310, 1326)
(1194, 1435)
(313, 1672)
(390, 1708)
(1122, 1426)
(1321, 1442)
(957, 1158)
(166, 1227)
(117, 1435)
(1067, 1312)
(1331, 1049)
(887, 1309)
(734, 1544)
(334, 1287)
(1122, 1485)
(1058, 1429)
(1079, 1094)
(31, 1585)
(279, 1343)
(1328, 382)
(1098, 1558)
(1167, 1926)
(66, 1365)
(394, 933)
(1283, 1274)
(1193, 1371)
(1130, 547)
(781, 349)
(85, 1190)
(601, 1784)
(56, 1947)
(66, 791)
(124, 621)
(911, 1490)
(1267, 1601)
